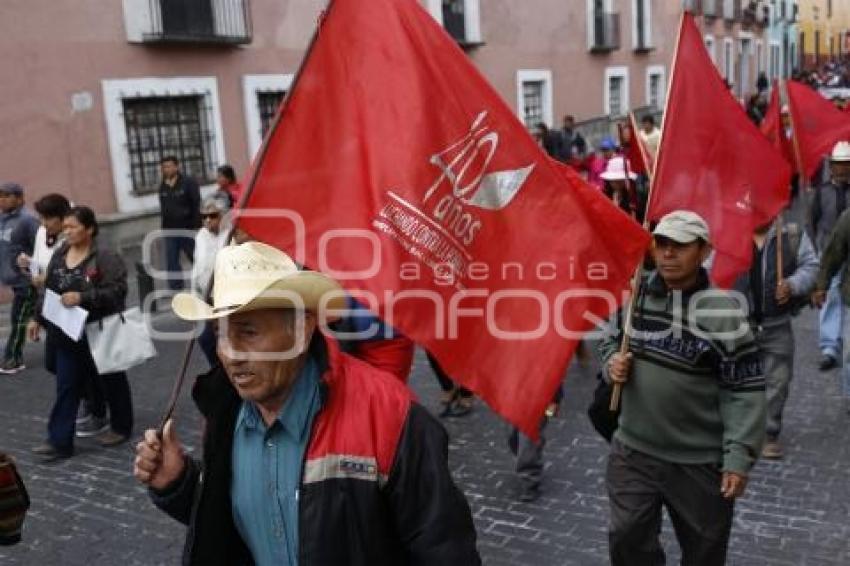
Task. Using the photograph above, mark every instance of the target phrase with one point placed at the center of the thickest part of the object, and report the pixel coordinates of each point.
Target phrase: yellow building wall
(828, 21)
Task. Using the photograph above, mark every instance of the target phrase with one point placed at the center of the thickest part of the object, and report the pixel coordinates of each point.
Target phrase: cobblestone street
(90, 511)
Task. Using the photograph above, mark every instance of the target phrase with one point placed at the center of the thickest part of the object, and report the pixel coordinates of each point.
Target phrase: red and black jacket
(375, 487)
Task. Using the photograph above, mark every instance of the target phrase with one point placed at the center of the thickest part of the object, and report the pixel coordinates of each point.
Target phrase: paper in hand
(71, 320)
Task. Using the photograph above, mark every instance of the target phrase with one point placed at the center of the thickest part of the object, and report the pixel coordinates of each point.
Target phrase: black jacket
(375, 487)
(103, 292)
(180, 205)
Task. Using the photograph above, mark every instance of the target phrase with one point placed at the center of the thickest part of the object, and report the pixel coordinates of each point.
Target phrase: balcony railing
(454, 19)
(606, 32)
(199, 21)
(729, 10)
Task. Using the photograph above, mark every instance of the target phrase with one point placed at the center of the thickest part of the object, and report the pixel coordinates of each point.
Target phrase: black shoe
(827, 362)
(530, 493)
(50, 453)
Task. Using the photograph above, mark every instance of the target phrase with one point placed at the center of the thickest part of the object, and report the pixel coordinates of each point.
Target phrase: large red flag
(399, 160)
(714, 161)
(818, 124)
(773, 128)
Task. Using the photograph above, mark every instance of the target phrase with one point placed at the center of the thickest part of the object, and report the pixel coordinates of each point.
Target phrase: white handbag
(120, 341)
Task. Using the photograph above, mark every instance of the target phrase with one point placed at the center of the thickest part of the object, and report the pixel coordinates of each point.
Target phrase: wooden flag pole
(617, 389)
(795, 141)
(184, 366)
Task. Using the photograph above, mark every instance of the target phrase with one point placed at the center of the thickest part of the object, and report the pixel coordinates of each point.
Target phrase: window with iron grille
(161, 126)
(268, 103)
(532, 97)
(655, 91)
(615, 96)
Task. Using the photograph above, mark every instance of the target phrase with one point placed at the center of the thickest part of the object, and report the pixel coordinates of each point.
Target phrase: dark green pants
(22, 304)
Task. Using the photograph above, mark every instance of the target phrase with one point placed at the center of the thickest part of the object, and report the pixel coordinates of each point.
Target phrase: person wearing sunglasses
(208, 241)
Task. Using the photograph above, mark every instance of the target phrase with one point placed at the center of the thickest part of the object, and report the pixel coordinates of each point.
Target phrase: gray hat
(682, 226)
(11, 189)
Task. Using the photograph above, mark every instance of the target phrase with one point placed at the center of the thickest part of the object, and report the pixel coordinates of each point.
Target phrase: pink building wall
(55, 59)
(552, 34)
(51, 54)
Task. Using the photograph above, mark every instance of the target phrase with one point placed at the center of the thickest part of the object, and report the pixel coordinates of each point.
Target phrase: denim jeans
(174, 245)
(845, 370)
(207, 341)
(832, 321)
(75, 370)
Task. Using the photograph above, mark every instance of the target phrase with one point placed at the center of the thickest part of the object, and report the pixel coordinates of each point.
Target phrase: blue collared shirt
(267, 465)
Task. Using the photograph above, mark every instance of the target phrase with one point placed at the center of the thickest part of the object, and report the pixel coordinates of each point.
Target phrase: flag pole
(617, 389)
(261, 154)
(798, 154)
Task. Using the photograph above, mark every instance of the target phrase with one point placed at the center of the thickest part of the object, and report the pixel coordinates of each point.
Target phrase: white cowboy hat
(841, 151)
(616, 170)
(254, 276)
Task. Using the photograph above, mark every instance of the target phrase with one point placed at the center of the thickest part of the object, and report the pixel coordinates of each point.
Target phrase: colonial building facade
(95, 93)
(824, 30)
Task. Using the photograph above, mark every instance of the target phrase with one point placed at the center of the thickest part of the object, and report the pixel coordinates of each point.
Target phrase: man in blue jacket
(18, 227)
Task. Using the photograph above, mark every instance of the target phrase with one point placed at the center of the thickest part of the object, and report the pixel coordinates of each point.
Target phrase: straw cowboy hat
(616, 170)
(254, 276)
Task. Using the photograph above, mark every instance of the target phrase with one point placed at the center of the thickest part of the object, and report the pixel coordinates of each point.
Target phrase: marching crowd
(326, 457)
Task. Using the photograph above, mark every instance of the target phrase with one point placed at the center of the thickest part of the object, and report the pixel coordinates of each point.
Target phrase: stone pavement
(89, 510)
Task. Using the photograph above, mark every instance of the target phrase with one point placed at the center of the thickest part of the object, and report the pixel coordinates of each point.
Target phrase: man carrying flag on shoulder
(693, 406)
(774, 298)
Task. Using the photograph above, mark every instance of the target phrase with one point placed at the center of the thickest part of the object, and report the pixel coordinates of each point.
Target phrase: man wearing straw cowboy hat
(693, 406)
(829, 200)
(310, 456)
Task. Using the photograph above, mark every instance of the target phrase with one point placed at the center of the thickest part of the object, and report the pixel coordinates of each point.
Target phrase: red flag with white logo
(818, 125)
(416, 186)
(714, 161)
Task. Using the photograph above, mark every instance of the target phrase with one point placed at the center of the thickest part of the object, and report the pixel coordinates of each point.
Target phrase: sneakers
(83, 414)
(93, 427)
(772, 450)
(827, 362)
(50, 453)
(11, 367)
(111, 438)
